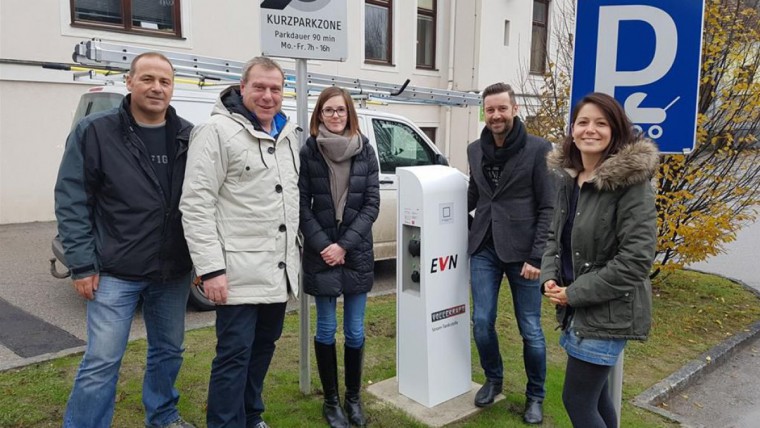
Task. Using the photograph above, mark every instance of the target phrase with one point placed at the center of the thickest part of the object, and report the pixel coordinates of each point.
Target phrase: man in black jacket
(116, 201)
(512, 196)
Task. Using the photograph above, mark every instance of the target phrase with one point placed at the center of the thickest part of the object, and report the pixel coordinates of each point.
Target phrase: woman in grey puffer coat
(340, 200)
(600, 251)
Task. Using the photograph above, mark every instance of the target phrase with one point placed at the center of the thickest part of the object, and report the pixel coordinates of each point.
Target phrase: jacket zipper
(151, 172)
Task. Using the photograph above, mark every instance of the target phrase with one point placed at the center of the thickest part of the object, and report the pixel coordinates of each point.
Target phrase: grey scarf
(338, 150)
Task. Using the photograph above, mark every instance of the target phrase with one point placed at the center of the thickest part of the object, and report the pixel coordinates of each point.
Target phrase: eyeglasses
(329, 111)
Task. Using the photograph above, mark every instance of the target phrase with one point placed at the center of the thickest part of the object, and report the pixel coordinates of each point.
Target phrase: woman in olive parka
(600, 251)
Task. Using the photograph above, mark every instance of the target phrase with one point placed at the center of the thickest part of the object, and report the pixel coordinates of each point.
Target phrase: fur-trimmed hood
(633, 164)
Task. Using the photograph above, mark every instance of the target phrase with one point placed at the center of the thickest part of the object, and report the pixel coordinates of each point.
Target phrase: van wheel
(197, 297)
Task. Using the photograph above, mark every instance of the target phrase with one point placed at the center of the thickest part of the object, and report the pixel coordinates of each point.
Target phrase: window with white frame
(539, 38)
(149, 17)
(378, 31)
(426, 22)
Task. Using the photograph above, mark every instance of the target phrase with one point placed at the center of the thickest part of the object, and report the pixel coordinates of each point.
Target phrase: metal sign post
(302, 101)
(615, 385)
(301, 29)
(646, 54)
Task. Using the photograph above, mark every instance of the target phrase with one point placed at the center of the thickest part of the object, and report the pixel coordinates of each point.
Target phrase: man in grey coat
(512, 195)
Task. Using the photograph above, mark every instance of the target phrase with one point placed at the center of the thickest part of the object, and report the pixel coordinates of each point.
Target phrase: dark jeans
(246, 336)
(486, 274)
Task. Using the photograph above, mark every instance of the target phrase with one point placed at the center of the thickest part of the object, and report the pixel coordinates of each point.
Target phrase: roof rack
(118, 56)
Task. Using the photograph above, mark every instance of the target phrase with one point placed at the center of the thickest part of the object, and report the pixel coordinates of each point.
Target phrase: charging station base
(453, 410)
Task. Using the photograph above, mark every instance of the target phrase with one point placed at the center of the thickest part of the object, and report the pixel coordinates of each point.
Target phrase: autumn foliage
(706, 196)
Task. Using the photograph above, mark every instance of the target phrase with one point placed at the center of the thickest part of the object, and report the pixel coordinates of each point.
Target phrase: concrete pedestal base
(443, 414)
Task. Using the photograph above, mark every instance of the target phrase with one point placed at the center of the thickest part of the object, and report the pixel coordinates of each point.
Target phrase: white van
(397, 141)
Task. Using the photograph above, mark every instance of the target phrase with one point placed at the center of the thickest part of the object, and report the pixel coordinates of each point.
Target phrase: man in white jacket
(240, 215)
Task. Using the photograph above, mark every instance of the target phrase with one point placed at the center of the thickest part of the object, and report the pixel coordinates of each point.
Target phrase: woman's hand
(555, 293)
(333, 255)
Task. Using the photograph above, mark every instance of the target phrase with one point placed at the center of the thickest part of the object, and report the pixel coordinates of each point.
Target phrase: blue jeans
(246, 336)
(486, 273)
(109, 318)
(353, 319)
(602, 352)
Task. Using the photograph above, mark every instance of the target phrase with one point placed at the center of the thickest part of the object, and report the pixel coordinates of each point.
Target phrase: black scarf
(514, 142)
(494, 158)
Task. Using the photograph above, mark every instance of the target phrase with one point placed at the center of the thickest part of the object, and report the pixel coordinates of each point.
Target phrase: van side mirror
(441, 160)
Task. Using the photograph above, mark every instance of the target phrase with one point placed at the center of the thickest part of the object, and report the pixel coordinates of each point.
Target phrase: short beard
(507, 129)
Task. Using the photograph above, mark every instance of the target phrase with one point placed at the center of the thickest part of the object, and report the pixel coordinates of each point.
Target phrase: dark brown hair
(620, 126)
(352, 124)
(498, 88)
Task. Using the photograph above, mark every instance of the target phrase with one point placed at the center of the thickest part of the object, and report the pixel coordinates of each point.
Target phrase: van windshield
(95, 102)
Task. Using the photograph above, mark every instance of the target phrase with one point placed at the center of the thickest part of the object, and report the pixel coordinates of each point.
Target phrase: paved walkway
(729, 397)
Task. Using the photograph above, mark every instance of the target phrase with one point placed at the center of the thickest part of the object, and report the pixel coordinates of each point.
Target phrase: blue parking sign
(646, 54)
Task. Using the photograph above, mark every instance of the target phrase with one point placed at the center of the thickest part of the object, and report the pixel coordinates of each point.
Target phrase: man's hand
(333, 255)
(530, 272)
(555, 293)
(86, 286)
(216, 289)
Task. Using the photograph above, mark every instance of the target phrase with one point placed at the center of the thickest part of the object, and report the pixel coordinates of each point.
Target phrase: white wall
(36, 118)
(498, 62)
(36, 105)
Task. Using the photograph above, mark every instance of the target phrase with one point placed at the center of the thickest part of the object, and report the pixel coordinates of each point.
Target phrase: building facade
(461, 45)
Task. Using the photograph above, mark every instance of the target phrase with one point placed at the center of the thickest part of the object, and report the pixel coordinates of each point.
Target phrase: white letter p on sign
(608, 77)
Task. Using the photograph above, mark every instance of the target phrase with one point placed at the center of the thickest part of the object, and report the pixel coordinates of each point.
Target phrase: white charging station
(433, 358)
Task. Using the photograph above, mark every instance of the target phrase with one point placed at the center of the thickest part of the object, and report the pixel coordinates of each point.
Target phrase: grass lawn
(692, 313)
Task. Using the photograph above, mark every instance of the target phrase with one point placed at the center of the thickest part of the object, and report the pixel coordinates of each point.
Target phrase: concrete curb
(696, 369)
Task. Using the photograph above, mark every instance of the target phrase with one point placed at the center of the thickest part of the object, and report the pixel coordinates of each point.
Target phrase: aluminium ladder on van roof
(97, 53)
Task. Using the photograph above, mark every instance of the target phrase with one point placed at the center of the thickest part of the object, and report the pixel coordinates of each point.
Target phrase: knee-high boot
(328, 373)
(354, 360)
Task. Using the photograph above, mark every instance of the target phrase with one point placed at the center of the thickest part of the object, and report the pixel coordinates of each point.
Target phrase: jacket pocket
(614, 314)
(250, 262)
(244, 172)
(521, 233)
(248, 166)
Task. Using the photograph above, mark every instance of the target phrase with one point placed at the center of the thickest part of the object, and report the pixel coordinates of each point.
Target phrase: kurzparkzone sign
(309, 29)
